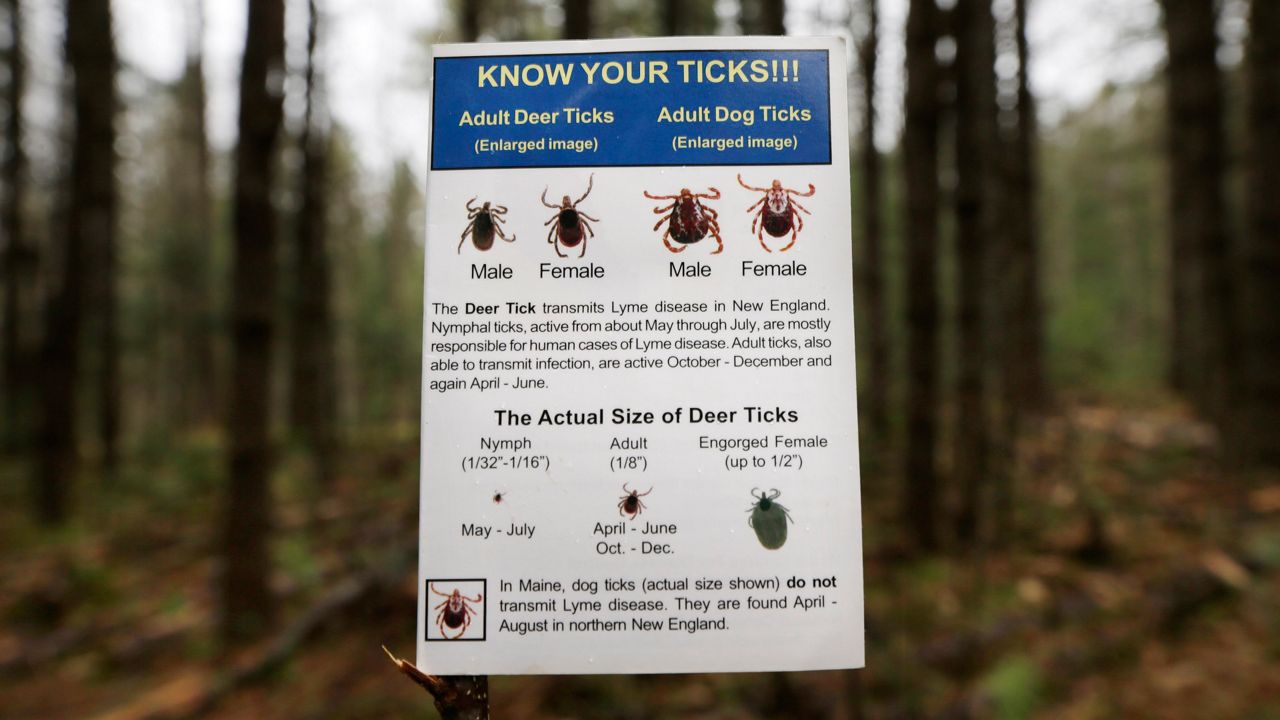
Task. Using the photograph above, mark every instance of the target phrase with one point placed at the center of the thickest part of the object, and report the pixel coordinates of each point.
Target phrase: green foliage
(1015, 687)
(1104, 250)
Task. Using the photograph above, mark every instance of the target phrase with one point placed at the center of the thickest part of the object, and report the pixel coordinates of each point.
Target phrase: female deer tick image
(569, 225)
(779, 212)
(689, 220)
(454, 613)
(768, 518)
(485, 222)
(630, 503)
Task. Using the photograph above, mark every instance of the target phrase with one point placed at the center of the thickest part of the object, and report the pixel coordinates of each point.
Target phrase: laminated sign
(639, 438)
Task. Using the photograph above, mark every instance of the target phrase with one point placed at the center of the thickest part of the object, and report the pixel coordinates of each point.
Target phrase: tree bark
(876, 389)
(1204, 328)
(199, 393)
(1261, 399)
(1027, 349)
(920, 149)
(472, 10)
(975, 129)
(577, 19)
(313, 396)
(17, 257)
(95, 68)
(91, 218)
(247, 602)
(773, 17)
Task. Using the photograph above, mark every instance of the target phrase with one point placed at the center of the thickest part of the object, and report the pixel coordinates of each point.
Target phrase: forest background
(1067, 243)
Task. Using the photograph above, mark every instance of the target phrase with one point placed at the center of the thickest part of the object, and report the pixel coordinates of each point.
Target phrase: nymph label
(639, 434)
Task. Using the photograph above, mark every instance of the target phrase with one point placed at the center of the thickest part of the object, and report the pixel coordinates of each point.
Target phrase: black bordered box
(456, 609)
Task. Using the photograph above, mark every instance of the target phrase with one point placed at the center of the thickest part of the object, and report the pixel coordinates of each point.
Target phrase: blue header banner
(630, 109)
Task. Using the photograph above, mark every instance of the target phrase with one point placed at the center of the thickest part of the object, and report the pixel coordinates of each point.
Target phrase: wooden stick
(458, 697)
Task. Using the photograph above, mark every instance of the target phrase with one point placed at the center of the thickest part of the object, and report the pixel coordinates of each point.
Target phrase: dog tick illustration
(779, 212)
(630, 503)
(569, 225)
(485, 222)
(454, 613)
(689, 220)
(769, 518)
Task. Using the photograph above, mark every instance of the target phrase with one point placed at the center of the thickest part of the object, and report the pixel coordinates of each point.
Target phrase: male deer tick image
(689, 220)
(630, 503)
(485, 223)
(779, 212)
(454, 614)
(569, 226)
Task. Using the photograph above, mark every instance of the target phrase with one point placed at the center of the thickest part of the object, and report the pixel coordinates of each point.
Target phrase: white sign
(639, 434)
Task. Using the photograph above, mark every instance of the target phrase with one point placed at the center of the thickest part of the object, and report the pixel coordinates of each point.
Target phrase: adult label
(639, 438)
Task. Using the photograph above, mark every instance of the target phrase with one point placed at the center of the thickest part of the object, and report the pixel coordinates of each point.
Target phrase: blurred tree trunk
(577, 19)
(872, 262)
(1026, 353)
(471, 13)
(920, 150)
(688, 17)
(313, 393)
(91, 218)
(762, 17)
(1261, 439)
(773, 17)
(96, 105)
(1203, 328)
(247, 603)
(975, 132)
(17, 257)
(199, 391)
(404, 295)
(1201, 241)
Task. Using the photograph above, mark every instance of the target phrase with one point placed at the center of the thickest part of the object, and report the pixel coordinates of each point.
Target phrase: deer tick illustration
(779, 212)
(498, 497)
(569, 225)
(630, 503)
(485, 222)
(689, 220)
(454, 613)
(768, 518)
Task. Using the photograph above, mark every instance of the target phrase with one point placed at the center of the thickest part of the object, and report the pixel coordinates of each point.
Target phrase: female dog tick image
(779, 212)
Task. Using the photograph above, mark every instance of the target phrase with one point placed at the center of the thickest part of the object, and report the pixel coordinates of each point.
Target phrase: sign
(639, 434)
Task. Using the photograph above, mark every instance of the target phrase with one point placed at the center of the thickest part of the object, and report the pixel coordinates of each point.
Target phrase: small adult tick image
(569, 226)
(455, 613)
(779, 212)
(630, 504)
(498, 497)
(689, 220)
(769, 518)
(485, 222)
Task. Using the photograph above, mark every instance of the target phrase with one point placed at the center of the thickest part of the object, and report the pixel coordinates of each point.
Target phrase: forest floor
(1139, 584)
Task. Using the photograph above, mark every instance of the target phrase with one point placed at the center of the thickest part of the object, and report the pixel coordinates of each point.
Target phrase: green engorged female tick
(768, 518)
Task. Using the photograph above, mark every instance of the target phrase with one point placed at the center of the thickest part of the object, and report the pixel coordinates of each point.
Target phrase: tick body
(688, 219)
(485, 223)
(769, 518)
(778, 213)
(630, 504)
(498, 497)
(454, 614)
(569, 226)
